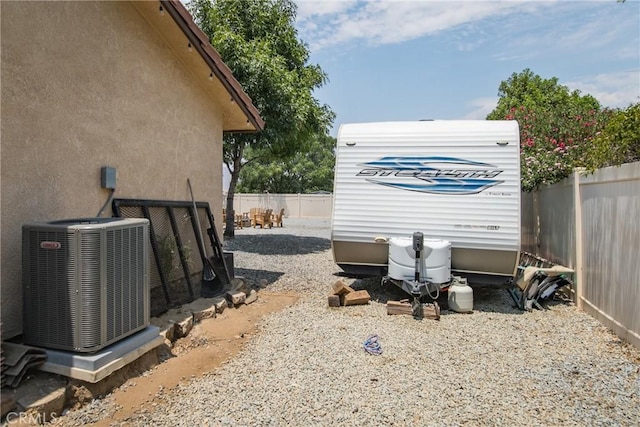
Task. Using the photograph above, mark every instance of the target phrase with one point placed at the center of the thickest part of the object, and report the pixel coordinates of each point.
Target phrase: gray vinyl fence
(591, 223)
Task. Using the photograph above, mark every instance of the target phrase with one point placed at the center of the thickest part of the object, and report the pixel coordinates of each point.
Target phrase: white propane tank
(460, 296)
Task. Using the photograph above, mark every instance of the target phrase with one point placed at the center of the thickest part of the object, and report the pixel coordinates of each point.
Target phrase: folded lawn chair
(538, 284)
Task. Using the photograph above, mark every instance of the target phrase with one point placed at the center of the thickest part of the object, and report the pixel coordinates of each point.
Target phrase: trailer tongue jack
(419, 287)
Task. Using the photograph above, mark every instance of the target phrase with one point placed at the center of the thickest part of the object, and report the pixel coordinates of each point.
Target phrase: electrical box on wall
(108, 177)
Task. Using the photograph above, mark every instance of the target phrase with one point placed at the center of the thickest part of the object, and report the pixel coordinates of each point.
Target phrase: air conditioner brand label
(50, 245)
(436, 175)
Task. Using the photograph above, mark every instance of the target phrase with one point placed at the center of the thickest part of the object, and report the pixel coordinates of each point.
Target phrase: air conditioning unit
(85, 282)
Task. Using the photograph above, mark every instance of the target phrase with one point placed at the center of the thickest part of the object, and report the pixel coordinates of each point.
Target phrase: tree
(557, 126)
(531, 91)
(619, 141)
(258, 41)
(306, 172)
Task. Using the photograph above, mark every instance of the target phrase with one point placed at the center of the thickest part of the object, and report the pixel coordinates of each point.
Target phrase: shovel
(208, 275)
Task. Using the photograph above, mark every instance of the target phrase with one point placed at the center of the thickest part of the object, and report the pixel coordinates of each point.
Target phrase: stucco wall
(89, 84)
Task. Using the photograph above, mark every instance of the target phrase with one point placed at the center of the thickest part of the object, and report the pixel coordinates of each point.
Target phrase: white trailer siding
(451, 180)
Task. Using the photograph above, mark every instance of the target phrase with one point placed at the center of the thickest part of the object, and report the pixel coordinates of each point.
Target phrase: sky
(411, 60)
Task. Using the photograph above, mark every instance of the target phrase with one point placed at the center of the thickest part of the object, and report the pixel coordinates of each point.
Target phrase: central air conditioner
(85, 282)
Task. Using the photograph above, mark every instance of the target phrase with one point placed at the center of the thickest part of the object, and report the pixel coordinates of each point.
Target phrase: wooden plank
(357, 297)
(333, 300)
(340, 288)
(429, 311)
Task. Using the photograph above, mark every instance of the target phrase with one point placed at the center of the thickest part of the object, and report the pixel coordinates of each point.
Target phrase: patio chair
(264, 219)
(253, 213)
(276, 218)
(246, 219)
(237, 219)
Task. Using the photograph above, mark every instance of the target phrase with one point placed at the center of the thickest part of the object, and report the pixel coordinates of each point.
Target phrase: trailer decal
(436, 175)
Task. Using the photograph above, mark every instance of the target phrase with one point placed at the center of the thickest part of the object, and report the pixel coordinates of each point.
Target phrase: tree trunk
(229, 229)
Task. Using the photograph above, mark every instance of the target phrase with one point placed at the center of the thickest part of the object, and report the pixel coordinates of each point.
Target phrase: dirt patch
(210, 343)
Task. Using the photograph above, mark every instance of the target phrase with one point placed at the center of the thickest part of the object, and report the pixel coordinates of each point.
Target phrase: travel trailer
(453, 181)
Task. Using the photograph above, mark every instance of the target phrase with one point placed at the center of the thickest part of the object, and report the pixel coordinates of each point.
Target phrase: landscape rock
(220, 304)
(252, 297)
(184, 327)
(235, 298)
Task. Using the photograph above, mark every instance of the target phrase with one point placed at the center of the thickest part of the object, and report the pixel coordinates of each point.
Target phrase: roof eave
(200, 43)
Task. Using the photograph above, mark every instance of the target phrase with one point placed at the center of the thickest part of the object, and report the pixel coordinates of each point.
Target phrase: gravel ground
(495, 366)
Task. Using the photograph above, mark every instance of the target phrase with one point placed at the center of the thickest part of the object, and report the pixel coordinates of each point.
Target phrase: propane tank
(460, 296)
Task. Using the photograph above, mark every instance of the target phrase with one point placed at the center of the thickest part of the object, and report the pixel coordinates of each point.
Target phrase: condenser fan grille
(48, 289)
(125, 290)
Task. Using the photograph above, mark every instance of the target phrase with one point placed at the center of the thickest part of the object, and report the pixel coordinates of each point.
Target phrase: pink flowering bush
(557, 126)
(553, 144)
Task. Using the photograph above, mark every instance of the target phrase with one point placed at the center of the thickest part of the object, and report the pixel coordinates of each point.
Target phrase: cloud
(616, 90)
(516, 30)
(329, 23)
(571, 28)
(481, 107)
(308, 9)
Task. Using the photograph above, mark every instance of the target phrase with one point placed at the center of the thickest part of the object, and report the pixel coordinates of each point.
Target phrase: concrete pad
(96, 366)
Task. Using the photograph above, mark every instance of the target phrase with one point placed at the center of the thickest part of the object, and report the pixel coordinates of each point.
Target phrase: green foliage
(557, 127)
(619, 141)
(257, 39)
(306, 172)
(532, 92)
